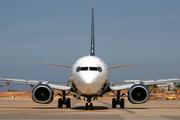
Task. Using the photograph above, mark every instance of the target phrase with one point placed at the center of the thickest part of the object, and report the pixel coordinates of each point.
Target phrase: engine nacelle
(42, 94)
(138, 93)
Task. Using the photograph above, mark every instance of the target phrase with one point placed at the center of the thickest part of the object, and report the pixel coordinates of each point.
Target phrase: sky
(59, 32)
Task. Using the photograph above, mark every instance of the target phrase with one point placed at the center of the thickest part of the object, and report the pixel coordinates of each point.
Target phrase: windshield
(88, 69)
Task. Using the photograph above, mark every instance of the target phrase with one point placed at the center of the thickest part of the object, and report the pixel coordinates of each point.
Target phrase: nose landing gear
(89, 105)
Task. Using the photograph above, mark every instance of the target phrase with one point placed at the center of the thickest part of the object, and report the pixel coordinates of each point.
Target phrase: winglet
(92, 52)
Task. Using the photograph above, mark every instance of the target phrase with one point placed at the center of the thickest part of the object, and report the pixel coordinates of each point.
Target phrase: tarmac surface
(102, 109)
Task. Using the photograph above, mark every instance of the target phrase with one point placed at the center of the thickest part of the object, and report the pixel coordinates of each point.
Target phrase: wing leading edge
(127, 65)
(32, 83)
(55, 65)
(129, 83)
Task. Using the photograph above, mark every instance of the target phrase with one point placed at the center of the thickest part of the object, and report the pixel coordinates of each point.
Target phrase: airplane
(89, 77)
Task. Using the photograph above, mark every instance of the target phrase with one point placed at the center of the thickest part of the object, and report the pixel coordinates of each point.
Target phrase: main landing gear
(63, 100)
(117, 101)
(89, 105)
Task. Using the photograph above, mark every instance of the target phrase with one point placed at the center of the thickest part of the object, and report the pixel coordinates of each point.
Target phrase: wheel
(86, 106)
(78, 98)
(91, 106)
(68, 103)
(60, 103)
(122, 103)
(113, 103)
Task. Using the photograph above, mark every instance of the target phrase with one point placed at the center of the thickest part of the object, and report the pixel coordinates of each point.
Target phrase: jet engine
(138, 93)
(42, 94)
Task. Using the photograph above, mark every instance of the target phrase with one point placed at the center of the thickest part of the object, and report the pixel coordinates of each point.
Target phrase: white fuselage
(89, 76)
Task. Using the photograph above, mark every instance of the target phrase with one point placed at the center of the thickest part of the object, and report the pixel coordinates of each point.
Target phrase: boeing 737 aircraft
(89, 77)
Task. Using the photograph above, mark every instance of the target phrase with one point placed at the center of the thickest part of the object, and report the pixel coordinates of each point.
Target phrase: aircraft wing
(127, 65)
(128, 83)
(33, 83)
(54, 65)
(123, 86)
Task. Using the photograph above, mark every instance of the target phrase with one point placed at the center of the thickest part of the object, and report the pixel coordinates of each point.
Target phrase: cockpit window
(84, 68)
(93, 69)
(99, 69)
(88, 69)
(77, 69)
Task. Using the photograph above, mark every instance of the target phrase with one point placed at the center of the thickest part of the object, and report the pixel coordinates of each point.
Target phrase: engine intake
(138, 94)
(42, 94)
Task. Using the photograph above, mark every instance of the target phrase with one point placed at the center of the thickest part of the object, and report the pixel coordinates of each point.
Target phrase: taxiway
(27, 109)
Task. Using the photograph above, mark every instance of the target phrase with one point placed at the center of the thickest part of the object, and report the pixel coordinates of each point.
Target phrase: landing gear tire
(68, 103)
(113, 103)
(86, 106)
(122, 103)
(60, 103)
(91, 106)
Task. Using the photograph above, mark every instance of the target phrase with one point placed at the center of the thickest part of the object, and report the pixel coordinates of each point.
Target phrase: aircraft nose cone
(89, 82)
(88, 77)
